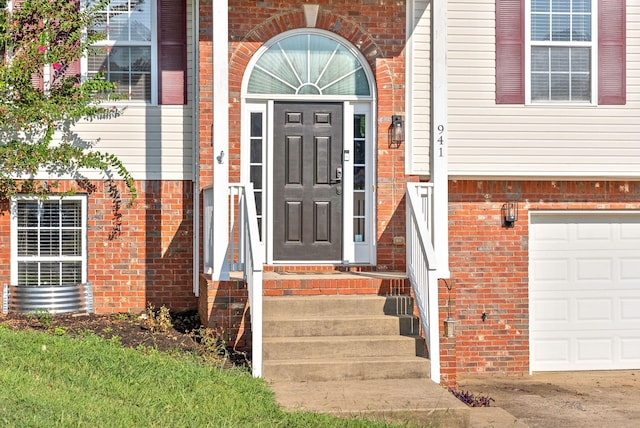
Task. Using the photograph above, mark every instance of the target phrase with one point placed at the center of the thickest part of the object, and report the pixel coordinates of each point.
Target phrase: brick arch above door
(242, 51)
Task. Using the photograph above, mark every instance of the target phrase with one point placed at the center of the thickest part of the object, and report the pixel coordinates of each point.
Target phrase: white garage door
(584, 291)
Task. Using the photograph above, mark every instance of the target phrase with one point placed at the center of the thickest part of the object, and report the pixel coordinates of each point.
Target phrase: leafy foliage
(157, 319)
(41, 95)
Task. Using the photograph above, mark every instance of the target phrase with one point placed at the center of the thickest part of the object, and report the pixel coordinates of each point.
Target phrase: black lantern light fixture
(396, 131)
(509, 214)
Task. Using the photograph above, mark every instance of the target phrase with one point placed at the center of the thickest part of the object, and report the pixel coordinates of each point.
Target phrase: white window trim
(245, 154)
(84, 63)
(352, 104)
(362, 252)
(593, 44)
(14, 236)
(353, 252)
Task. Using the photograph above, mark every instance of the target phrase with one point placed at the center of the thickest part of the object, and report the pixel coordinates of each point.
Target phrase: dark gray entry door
(307, 181)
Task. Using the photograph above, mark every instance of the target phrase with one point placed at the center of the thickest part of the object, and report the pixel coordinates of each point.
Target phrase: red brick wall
(447, 310)
(371, 27)
(142, 256)
(223, 306)
(489, 263)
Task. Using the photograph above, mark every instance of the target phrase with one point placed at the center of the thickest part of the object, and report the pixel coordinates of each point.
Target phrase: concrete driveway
(570, 399)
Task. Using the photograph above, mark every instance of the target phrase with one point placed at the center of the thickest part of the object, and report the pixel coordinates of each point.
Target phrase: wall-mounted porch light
(449, 322)
(509, 214)
(396, 131)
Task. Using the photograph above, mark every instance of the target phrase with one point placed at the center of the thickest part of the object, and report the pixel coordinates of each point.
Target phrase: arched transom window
(309, 64)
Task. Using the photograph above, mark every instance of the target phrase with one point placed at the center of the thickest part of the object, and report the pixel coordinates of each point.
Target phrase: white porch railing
(422, 264)
(245, 255)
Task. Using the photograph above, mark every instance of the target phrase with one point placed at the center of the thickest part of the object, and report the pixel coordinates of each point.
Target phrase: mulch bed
(130, 330)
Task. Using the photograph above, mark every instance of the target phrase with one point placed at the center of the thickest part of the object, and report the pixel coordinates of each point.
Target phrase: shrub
(472, 400)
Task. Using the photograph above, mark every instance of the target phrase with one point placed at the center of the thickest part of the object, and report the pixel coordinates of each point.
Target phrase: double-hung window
(145, 49)
(49, 241)
(561, 51)
(126, 55)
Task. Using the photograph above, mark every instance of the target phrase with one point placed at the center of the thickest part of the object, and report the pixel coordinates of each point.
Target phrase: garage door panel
(595, 310)
(594, 350)
(549, 310)
(630, 231)
(584, 309)
(589, 269)
(589, 232)
(548, 352)
(551, 270)
(599, 352)
(630, 269)
(630, 309)
(584, 290)
(630, 349)
(551, 234)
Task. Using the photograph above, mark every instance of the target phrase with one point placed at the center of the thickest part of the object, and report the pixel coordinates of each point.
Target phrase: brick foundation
(490, 263)
(137, 255)
(447, 309)
(223, 305)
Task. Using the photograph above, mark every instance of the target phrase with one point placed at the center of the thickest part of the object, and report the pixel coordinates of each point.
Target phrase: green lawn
(58, 381)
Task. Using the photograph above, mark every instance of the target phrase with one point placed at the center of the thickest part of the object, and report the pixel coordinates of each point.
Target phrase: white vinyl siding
(155, 142)
(418, 140)
(489, 140)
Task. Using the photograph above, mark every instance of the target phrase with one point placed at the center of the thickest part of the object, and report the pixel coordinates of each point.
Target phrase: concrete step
(322, 338)
(332, 347)
(361, 368)
(303, 306)
(417, 402)
(412, 402)
(353, 325)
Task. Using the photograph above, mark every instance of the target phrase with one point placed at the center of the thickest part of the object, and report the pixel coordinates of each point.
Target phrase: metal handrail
(422, 264)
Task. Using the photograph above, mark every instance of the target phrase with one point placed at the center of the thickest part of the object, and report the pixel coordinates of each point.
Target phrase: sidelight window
(359, 178)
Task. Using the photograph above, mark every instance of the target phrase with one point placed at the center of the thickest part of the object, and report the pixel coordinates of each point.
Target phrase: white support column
(220, 135)
(439, 131)
(439, 171)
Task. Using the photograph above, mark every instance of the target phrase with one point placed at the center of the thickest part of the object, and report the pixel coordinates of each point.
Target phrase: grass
(57, 381)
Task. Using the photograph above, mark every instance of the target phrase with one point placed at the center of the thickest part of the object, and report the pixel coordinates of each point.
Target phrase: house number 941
(440, 139)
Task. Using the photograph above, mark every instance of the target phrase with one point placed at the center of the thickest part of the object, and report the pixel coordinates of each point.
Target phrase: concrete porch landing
(414, 401)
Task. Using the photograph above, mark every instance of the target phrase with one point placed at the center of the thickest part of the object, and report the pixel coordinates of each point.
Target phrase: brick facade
(145, 255)
(373, 31)
(490, 263)
(137, 255)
